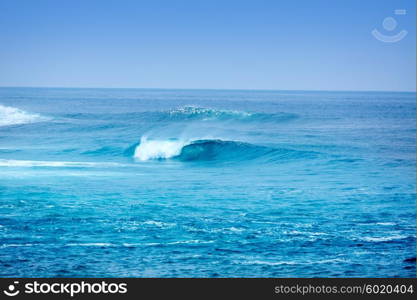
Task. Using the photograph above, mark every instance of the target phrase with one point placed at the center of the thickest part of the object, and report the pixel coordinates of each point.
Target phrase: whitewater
(149, 149)
(206, 183)
(14, 116)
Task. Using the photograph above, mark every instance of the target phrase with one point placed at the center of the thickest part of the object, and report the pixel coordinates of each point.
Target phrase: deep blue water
(206, 183)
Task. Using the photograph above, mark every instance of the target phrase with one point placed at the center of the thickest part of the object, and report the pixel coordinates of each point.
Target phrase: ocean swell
(211, 150)
(186, 114)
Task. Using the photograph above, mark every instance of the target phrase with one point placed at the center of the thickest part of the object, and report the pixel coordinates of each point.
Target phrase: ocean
(207, 183)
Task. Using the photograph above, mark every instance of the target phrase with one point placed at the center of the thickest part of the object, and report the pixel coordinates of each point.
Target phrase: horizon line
(215, 89)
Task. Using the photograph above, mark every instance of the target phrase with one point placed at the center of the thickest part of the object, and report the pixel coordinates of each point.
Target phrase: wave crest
(211, 150)
(157, 149)
(194, 112)
(14, 116)
(189, 113)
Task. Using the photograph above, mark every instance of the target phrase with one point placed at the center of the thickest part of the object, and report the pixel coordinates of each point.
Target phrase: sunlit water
(206, 183)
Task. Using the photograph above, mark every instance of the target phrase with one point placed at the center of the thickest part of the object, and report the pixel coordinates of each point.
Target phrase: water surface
(206, 183)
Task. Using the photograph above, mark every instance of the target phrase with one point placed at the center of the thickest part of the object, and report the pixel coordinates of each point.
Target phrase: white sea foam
(89, 245)
(16, 245)
(384, 238)
(385, 223)
(158, 149)
(190, 242)
(35, 163)
(208, 113)
(158, 224)
(277, 263)
(14, 116)
(268, 263)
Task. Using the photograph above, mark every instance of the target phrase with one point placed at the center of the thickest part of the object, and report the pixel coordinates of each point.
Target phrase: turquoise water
(206, 183)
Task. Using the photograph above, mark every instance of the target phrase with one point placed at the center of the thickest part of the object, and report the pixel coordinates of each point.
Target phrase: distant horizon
(211, 89)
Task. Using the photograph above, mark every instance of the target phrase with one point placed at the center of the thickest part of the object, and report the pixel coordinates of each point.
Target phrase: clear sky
(287, 45)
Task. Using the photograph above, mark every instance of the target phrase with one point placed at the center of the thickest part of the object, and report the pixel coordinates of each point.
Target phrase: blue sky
(283, 45)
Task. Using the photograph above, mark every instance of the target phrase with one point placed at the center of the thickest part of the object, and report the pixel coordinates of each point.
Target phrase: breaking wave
(14, 116)
(210, 150)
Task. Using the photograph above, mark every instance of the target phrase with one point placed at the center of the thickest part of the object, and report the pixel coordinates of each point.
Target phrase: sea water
(206, 183)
